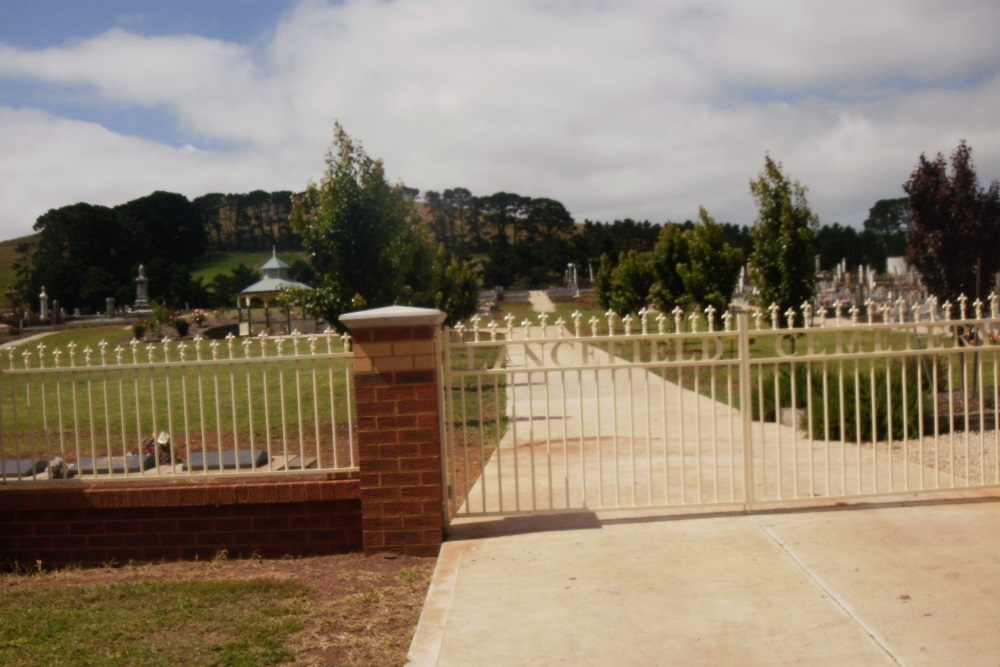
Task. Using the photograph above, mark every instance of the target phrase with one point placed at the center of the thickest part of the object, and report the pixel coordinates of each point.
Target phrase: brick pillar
(398, 428)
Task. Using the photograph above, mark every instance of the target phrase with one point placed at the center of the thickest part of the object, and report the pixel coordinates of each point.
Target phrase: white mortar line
(838, 600)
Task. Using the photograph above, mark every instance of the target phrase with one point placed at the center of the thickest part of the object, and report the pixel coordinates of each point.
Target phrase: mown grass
(161, 623)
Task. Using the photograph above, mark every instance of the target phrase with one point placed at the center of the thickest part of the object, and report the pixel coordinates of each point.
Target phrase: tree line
(85, 253)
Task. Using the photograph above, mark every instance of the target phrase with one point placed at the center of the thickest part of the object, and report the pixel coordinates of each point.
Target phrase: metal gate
(552, 418)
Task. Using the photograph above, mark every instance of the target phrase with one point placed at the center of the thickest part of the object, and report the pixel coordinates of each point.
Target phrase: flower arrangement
(159, 446)
(199, 316)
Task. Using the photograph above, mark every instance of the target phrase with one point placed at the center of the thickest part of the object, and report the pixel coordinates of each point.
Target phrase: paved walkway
(889, 586)
(913, 585)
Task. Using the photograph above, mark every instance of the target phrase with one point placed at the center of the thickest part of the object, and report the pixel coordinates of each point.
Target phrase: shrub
(783, 399)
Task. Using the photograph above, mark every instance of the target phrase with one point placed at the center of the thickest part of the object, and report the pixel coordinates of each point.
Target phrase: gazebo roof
(275, 278)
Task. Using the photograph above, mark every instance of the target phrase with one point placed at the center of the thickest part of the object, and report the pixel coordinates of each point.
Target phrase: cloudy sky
(623, 108)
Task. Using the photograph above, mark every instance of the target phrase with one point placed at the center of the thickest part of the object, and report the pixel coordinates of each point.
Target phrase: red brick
(380, 493)
(383, 523)
(382, 465)
(421, 492)
(415, 377)
(419, 435)
(425, 391)
(401, 451)
(399, 421)
(395, 393)
(369, 438)
(402, 508)
(404, 537)
(376, 408)
(423, 522)
(373, 538)
(422, 463)
(400, 479)
(384, 334)
(415, 406)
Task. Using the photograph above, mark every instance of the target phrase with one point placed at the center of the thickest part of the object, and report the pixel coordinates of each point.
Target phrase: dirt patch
(362, 611)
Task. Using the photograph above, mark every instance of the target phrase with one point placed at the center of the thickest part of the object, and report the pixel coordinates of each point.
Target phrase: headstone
(76, 312)
(246, 458)
(11, 297)
(115, 465)
(43, 302)
(22, 467)
(57, 314)
(141, 290)
(110, 307)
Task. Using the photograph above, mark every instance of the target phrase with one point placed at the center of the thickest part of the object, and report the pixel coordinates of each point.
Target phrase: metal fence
(684, 409)
(177, 408)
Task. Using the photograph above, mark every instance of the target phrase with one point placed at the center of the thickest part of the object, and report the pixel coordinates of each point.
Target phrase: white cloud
(637, 109)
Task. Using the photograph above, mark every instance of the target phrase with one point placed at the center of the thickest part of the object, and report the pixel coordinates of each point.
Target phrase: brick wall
(103, 524)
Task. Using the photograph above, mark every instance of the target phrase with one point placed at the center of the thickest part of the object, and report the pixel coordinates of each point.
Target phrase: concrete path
(541, 302)
(913, 585)
(903, 585)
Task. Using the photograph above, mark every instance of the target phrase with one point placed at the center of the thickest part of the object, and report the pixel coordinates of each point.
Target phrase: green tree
(953, 226)
(364, 237)
(782, 264)
(631, 281)
(602, 282)
(669, 255)
(712, 267)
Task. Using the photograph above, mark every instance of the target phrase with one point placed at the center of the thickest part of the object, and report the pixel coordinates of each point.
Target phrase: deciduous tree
(953, 226)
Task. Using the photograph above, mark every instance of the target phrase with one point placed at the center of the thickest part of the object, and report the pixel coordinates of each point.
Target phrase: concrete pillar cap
(393, 316)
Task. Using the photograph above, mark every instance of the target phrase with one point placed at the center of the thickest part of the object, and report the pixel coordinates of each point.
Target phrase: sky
(616, 108)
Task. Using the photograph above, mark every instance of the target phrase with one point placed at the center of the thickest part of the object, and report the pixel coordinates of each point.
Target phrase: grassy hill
(8, 255)
(215, 263)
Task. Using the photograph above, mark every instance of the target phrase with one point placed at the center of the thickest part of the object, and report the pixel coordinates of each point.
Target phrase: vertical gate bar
(184, 403)
(614, 426)
(731, 400)
(548, 426)
(746, 409)
(631, 430)
(810, 442)
(951, 418)
(937, 423)
(250, 411)
(857, 417)
(512, 383)
(218, 412)
(59, 422)
(920, 418)
(122, 418)
(565, 438)
(600, 443)
(267, 403)
(777, 419)
(649, 439)
(531, 430)
(697, 429)
(298, 407)
(666, 444)
(482, 439)
(826, 425)
(680, 416)
(965, 412)
(201, 405)
(446, 426)
(763, 435)
(793, 378)
(108, 447)
(996, 417)
(170, 409)
(317, 433)
(889, 430)
(583, 445)
(715, 437)
(906, 428)
(499, 437)
(282, 407)
(3, 441)
(980, 368)
(463, 416)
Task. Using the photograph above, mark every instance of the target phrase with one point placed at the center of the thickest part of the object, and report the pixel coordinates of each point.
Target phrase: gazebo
(275, 280)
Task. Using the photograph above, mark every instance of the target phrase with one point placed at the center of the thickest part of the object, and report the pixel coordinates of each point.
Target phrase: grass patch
(235, 624)
(348, 610)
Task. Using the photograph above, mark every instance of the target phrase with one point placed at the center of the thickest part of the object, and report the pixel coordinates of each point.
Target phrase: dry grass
(356, 610)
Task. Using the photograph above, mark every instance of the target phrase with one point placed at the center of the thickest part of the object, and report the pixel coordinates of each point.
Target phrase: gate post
(746, 409)
(399, 439)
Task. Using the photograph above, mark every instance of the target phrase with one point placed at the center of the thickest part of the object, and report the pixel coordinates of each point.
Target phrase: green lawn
(155, 623)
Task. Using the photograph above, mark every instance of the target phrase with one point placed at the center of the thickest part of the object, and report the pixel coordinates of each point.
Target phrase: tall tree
(953, 226)
(782, 264)
(631, 281)
(365, 239)
(712, 267)
(669, 255)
